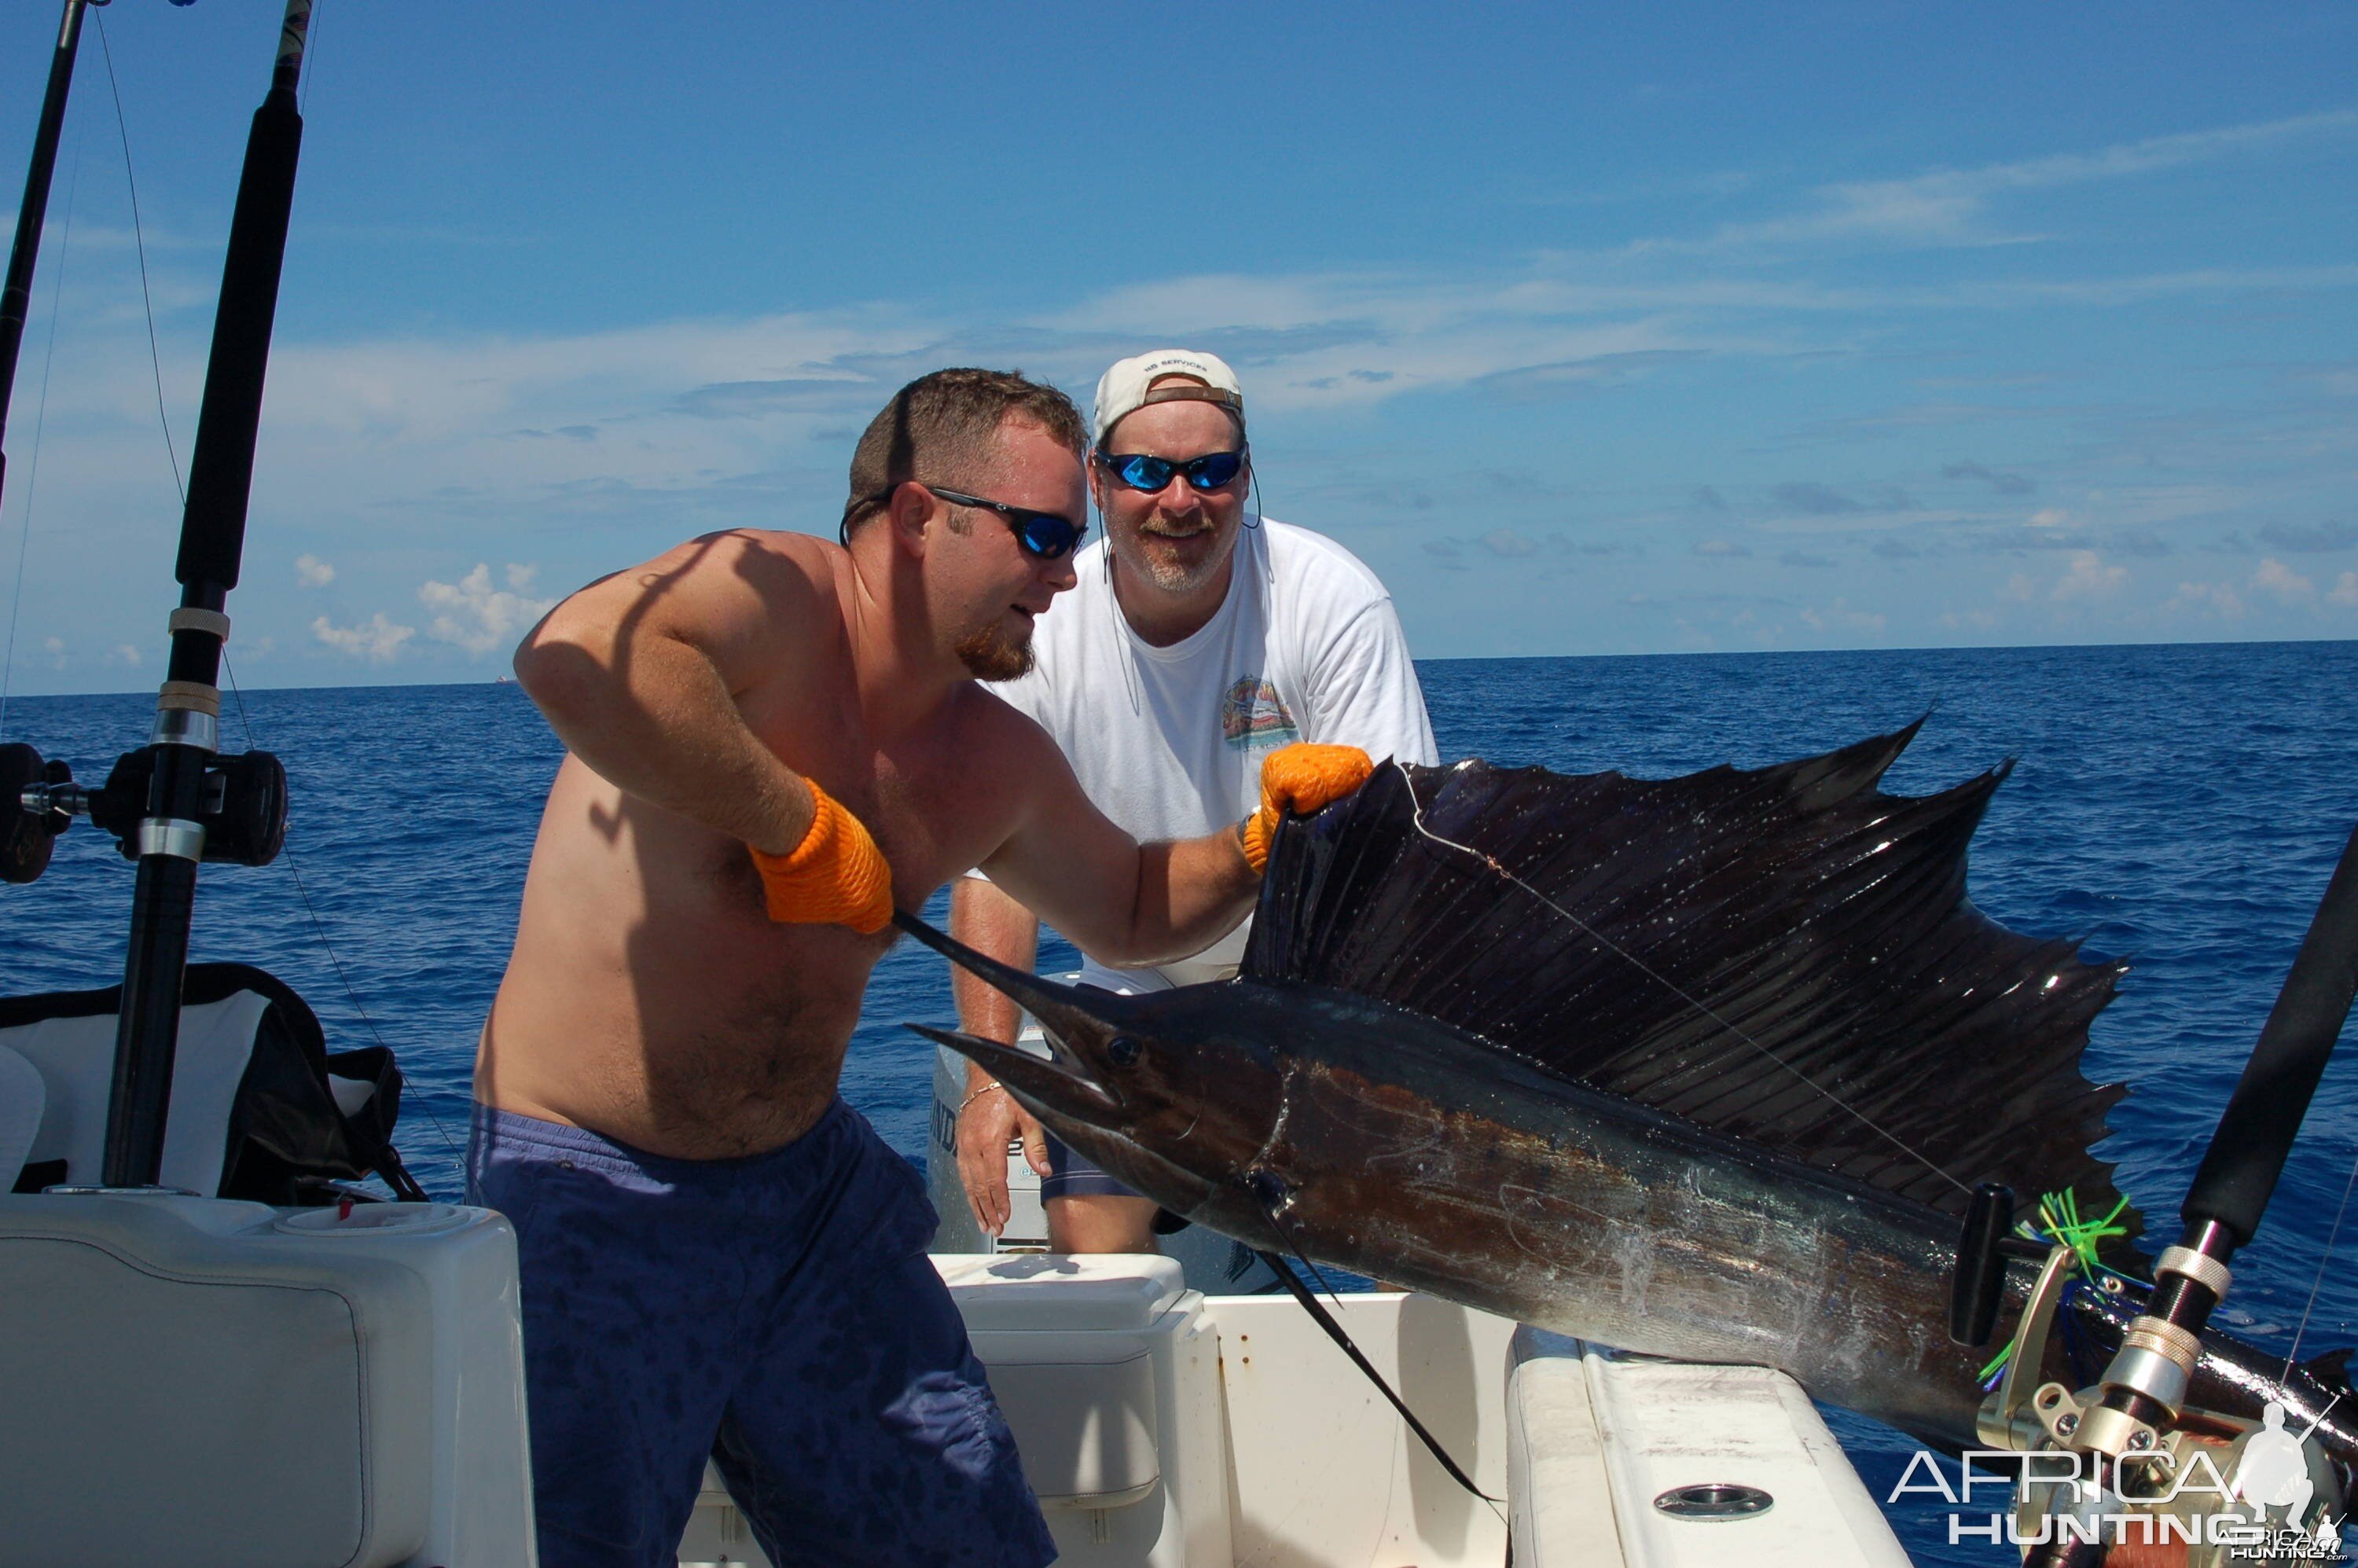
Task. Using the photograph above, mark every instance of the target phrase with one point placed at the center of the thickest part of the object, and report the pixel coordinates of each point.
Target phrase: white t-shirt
(1168, 741)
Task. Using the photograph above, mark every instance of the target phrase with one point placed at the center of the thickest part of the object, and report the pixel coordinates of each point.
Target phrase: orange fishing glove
(835, 876)
(1301, 778)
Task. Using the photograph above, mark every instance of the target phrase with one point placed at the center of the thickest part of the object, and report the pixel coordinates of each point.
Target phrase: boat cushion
(258, 1104)
(173, 1402)
(1055, 1291)
(24, 1095)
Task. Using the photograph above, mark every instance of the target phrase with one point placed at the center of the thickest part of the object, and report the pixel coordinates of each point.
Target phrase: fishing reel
(241, 820)
(2199, 1485)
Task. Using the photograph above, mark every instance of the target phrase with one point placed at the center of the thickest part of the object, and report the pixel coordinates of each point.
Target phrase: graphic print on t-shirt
(1254, 717)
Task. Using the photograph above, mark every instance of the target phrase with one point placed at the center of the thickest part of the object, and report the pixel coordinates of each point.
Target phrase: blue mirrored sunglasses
(1141, 472)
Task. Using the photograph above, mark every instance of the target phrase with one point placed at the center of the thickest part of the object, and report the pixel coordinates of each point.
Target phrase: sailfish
(1705, 1067)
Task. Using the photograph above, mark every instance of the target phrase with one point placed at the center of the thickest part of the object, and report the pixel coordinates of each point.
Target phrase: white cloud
(2088, 578)
(313, 572)
(2218, 599)
(1841, 617)
(125, 654)
(477, 617)
(377, 641)
(1944, 205)
(2050, 517)
(56, 649)
(478, 391)
(2271, 579)
(468, 427)
(2280, 580)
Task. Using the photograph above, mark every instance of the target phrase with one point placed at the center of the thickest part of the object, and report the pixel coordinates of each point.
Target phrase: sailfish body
(1703, 1067)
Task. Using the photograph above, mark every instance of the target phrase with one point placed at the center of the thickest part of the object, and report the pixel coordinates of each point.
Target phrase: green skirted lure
(2059, 1213)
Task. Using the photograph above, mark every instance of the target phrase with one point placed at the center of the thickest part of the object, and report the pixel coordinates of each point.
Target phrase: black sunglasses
(1141, 472)
(1049, 535)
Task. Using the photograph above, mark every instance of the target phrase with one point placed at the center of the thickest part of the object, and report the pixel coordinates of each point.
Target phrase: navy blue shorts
(1073, 1175)
(777, 1314)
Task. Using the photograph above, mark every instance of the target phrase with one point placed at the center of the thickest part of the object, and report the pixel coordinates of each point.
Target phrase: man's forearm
(997, 926)
(661, 725)
(1191, 892)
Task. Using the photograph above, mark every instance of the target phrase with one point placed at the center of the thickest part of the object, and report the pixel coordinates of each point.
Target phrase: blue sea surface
(2179, 806)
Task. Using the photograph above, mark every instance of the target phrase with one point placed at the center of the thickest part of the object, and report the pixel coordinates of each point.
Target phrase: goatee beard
(991, 655)
(1172, 577)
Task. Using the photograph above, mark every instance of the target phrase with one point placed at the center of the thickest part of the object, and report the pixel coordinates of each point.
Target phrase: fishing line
(139, 242)
(1640, 966)
(310, 58)
(1272, 1203)
(40, 420)
(2330, 1237)
(1335, 1331)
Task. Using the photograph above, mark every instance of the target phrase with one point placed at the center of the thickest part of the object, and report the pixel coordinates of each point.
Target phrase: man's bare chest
(934, 823)
(931, 817)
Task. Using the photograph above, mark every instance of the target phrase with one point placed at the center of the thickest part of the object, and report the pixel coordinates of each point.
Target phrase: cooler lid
(1059, 1292)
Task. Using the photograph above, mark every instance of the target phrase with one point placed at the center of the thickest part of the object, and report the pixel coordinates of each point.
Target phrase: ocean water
(2179, 806)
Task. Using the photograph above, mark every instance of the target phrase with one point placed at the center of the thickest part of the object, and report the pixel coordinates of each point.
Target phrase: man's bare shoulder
(740, 594)
(996, 729)
(770, 558)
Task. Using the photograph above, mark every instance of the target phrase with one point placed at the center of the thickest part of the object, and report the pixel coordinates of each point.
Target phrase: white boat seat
(209, 1383)
(1594, 1437)
(173, 1402)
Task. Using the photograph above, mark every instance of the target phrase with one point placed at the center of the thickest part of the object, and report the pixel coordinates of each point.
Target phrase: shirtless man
(772, 743)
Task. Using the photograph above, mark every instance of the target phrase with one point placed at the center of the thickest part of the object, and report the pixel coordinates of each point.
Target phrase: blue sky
(1592, 330)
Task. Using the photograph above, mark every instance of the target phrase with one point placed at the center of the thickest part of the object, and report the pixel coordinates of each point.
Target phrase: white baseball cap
(1129, 386)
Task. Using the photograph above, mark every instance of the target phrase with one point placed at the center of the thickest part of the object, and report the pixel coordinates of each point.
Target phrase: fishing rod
(2130, 1420)
(178, 801)
(16, 293)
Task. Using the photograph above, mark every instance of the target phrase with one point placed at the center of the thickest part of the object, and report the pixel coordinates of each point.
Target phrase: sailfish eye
(1124, 1050)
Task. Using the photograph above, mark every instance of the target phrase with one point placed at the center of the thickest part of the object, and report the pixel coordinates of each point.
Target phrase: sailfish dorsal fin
(1786, 955)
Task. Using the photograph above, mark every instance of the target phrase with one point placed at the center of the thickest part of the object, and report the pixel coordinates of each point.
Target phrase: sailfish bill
(1705, 1067)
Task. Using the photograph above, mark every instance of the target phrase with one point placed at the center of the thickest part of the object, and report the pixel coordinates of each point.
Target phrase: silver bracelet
(974, 1097)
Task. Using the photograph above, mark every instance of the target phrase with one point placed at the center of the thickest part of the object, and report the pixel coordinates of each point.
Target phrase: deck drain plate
(1714, 1502)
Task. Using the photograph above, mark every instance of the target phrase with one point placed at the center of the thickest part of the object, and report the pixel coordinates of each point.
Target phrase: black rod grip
(2248, 1153)
(220, 470)
(147, 1027)
(1979, 1283)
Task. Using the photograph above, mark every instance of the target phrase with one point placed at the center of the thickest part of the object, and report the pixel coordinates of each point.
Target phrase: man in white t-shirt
(1200, 638)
